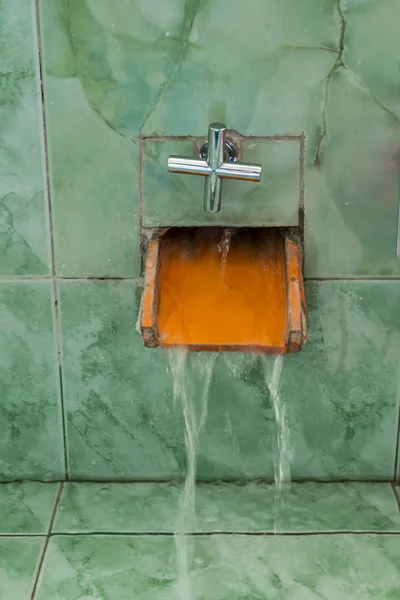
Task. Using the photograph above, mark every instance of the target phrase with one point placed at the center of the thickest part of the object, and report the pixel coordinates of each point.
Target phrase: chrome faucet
(215, 166)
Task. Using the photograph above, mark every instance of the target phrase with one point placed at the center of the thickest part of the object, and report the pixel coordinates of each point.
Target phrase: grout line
(255, 138)
(56, 315)
(46, 145)
(41, 279)
(63, 415)
(140, 201)
(397, 448)
(216, 482)
(221, 533)
(302, 159)
(396, 493)
(365, 279)
(22, 535)
(46, 543)
(238, 482)
(58, 344)
(140, 183)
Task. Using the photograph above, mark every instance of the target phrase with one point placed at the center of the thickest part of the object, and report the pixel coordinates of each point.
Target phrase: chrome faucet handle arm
(214, 167)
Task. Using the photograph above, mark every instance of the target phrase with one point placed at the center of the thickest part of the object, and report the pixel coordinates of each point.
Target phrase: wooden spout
(255, 303)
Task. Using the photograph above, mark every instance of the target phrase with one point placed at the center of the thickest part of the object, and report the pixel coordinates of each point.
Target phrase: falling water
(192, 396)
(282, 474)
(224, 246)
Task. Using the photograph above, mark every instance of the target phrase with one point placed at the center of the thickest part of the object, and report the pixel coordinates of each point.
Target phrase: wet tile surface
(30, 424)
(26, 507)
(122, 422)
(24, 238)
(328, 567)
(19, 558)
(305, 507)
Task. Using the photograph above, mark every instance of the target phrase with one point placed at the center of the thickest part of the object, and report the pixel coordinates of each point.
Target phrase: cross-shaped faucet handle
(214, 168)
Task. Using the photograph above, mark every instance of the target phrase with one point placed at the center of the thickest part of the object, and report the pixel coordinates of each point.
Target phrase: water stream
(191, 393)
(223, 248)
(191, 374)
(282, 474)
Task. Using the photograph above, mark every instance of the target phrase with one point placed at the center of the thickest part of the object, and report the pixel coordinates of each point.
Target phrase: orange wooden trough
(255, 303)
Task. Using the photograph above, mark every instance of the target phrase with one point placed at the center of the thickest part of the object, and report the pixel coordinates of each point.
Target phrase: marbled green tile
(121, 422)
(148, 67)
(154, 507)
(352, 201)
(374, 58)
(224, 567)
(344, 383)
(24, 240)
(92, 166)
(175, 199)
(26, 507)
(19, 558)
(30, 424)
(340, 392)
(272, 85)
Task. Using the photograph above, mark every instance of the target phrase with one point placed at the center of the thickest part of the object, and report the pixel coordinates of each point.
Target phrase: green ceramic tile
(174, 199)
(26, 507)
(24, 241)
(351, 219)
(340, 392)
(30, 424)
(151, 68)
(153, 507)
(273, 85)
(121, 422)
(19, 558)
(374, 60)
(344, 383)
(93, 165)
(234, 567)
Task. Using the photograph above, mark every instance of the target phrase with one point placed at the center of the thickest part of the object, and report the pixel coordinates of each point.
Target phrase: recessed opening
(223, 289)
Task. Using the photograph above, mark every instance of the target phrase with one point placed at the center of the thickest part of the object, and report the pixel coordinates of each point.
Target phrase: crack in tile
(108, 123)
(338, 64)
(325, 48)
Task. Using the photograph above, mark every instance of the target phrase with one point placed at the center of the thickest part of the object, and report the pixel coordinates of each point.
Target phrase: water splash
(282, 474)
(224, 246)
(192, 396)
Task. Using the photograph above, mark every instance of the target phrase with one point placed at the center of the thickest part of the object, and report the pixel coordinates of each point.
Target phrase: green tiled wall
(78, 392)
(24, 239)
